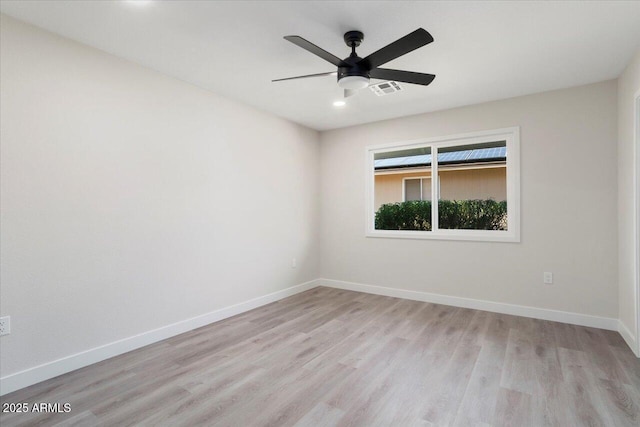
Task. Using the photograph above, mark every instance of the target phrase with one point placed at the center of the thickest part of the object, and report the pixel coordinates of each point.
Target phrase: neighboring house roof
(481, 155)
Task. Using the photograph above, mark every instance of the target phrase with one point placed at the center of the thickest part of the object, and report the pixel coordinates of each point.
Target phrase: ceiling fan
(354, 72)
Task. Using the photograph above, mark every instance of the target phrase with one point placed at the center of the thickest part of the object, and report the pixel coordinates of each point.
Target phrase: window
(417, 189)
(462, 187)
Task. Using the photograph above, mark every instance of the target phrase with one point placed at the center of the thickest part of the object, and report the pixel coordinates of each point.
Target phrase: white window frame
(512, 137)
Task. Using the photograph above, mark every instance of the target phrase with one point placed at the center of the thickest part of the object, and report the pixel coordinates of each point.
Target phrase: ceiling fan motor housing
(354, 69)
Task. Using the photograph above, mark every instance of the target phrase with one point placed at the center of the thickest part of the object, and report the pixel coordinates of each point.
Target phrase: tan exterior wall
(460, 184)
(389, 187)
(474, 184)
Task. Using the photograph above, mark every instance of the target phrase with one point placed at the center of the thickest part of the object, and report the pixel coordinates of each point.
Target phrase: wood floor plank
(209, 401)
(519, 371)
(600, 354)
(350, 393)
(479, 401)
(513, 408)
(628, 362)
(287, 398)
(322, 415)
(330, 357)
(624, 405)
(586, 406)
(566, 336)
(443, 406)
(85, 418)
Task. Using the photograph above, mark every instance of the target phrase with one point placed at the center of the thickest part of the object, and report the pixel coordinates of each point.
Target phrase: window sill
(468, 235)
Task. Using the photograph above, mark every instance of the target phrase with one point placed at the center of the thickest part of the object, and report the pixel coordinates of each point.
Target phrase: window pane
(426, 188)
(412, 190)
(402, 189)
(473, 187)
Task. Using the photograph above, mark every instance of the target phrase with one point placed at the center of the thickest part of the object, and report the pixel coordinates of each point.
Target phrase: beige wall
(131, 200)
(569, 213)
(628, 86)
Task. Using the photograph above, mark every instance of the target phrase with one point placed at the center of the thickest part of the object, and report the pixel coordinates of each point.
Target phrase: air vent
(385, 88)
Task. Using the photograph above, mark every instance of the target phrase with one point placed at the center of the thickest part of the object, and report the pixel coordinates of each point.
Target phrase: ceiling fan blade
(406, 44)
(402, 76)
(332, 73)
(307, 45)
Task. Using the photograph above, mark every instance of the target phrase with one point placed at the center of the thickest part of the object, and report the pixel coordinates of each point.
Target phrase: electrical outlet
(547, 278)
(294, 263)
(5, 325)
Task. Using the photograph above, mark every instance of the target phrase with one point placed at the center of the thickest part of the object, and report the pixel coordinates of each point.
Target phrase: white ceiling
(482, 50)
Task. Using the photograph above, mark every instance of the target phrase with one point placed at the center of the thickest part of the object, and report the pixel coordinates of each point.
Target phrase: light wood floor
(331, 357)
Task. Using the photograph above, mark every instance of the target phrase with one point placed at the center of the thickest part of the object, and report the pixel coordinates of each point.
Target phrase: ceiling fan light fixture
(353, 82)
(139, 3)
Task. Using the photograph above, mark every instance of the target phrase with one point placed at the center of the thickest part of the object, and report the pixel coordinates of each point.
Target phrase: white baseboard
(496, 307)
(61, 366)
(629, 338)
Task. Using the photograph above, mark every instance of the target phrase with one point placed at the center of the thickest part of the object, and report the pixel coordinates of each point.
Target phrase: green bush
(453, 214)
(412, 215)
